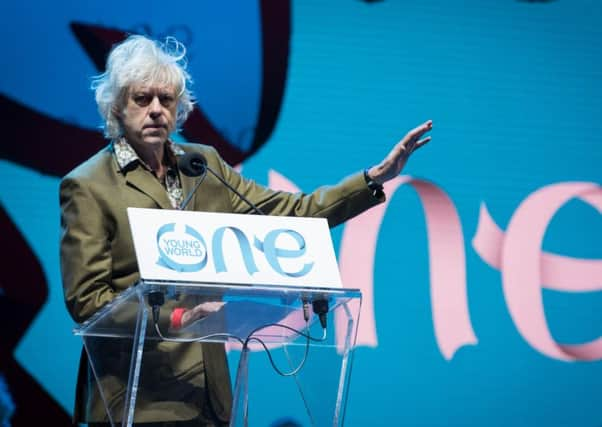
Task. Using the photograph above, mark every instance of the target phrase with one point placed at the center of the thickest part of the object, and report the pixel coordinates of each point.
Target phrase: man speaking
(143, 97)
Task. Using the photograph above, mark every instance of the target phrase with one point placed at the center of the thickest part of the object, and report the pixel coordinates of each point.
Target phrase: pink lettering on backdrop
(447, 266)
(525, 269)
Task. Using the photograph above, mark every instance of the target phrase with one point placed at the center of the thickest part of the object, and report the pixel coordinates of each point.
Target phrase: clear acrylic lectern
(264, 319)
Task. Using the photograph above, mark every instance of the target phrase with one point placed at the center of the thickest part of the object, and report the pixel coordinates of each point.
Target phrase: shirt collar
(126, 155)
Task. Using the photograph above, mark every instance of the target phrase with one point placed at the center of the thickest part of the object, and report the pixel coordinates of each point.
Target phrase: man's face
(149, 115)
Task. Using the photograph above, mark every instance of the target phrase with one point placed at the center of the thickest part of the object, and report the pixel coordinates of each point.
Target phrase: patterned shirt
(126, 157)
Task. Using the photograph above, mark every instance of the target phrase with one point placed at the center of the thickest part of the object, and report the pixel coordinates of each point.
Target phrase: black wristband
(377, 189)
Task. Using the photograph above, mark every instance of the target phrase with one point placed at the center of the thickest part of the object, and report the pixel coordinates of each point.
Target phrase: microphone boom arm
(255, 208)
(189, 197)
(195, 164)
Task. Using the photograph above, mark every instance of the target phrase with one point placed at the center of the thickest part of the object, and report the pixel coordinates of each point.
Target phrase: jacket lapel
(141, 179)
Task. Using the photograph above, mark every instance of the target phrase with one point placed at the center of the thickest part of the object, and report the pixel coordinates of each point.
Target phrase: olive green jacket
(98, 262)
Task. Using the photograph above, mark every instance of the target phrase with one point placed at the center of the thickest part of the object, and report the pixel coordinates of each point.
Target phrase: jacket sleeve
(337, 203)
(85, 251)
(86, 255)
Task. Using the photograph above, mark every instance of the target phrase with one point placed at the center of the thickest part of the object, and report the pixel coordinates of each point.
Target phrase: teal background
(515, 93)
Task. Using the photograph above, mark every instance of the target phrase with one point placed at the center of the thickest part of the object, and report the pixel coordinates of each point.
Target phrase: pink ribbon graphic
(525, 269)
(447, 266)
(446, 261)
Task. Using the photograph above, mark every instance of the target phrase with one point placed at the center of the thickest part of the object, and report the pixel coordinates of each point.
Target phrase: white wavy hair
(139, 60)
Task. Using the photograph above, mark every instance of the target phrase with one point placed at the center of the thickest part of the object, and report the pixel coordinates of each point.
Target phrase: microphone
(195, 164)
(192, 164)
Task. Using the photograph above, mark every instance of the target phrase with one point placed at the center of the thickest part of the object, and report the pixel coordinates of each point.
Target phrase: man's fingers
(418, 131)
(412, 140)
(206, 308)
(212, 306)
(422, 142)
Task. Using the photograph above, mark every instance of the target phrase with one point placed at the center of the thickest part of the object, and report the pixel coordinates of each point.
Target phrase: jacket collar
(126, 156)
(136, 172)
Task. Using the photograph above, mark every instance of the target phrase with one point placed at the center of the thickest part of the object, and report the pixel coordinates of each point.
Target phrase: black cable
(278, 371)
(197, 339)
(156, 299)
(279, 325)
(320, 307)
(245, 343)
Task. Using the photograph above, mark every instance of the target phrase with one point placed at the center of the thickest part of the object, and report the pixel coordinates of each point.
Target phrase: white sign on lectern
(233, 248)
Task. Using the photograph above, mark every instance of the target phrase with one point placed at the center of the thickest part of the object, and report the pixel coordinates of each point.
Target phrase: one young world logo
(181, 248)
